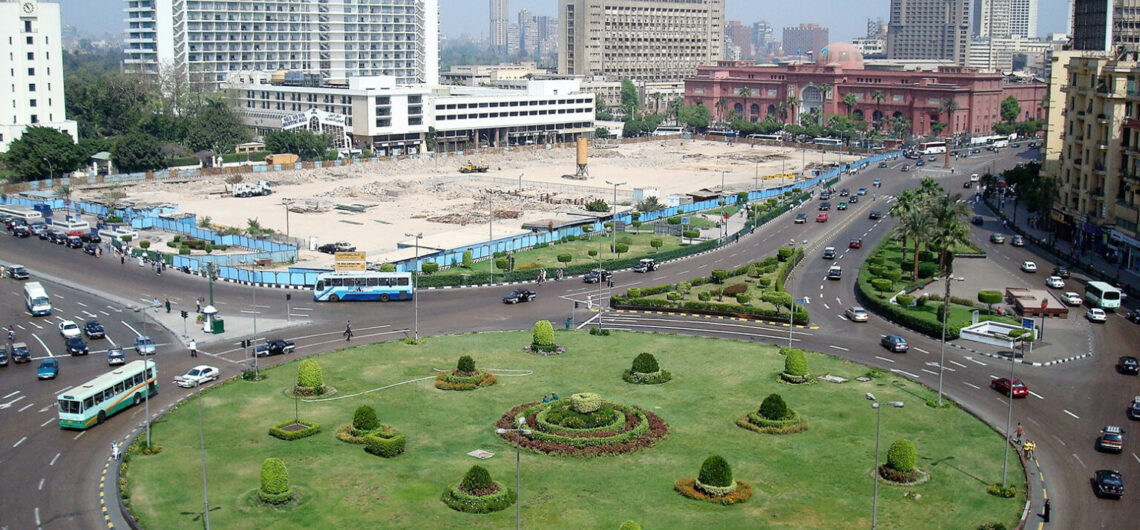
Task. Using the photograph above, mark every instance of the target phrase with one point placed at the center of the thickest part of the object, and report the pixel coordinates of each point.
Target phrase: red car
(821, 218)
(1002, 384)
(855, 243)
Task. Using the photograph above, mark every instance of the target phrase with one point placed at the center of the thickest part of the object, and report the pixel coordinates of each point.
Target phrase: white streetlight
(518, 476)
(1008, 419)
(415, 274)
(613, 222)
(878, 429)
(202, 443)
(945, 317)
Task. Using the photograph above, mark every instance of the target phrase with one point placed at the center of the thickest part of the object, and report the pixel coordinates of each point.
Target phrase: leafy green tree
(42, 152)
(1010, 109)
(630, 101)
(601, 132)
(429, 138)
(850, 102)
(600, 111)
(215, 127)
(136, 152)
(302, 142)
(696, 116)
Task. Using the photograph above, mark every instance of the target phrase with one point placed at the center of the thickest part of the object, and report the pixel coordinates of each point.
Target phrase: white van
(36, 299)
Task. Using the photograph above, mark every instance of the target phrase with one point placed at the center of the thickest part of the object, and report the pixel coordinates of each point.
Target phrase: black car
(597, 275)
(844, 193)
(824, 195)
(882, 164)
(20, 353)
(978, 220)
(801, 218)
(333, 248)
(920, 162)
(275, 347)
(1128, 365)
(17, 272)
(875, 215)
(91, 237)
(1133, 316)
(94, 330)
(854, 199)
(967, 184)
(21, 231)
(520, 295)
(46, 233)
(91, 248)
(73, 242)
(3, 356)
(1108, 483)
(824, 206)
(1062, 272)
(76, 346)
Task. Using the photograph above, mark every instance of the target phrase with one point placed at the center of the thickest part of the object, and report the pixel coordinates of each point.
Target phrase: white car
(1028, 266)
(1071, 298)
(1055, 282)
(857, 314)
(1096, 314)
(197, 375)
(69, 329)
(974, 177)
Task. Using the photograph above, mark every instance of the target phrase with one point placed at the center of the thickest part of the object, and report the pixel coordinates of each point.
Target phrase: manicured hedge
(278, 431)
(465, 502)
(385, 444)
(274, 482)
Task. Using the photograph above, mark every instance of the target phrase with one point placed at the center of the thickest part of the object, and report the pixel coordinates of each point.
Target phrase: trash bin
(219, 326)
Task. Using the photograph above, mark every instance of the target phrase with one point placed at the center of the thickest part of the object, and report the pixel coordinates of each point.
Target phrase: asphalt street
(1069, 404)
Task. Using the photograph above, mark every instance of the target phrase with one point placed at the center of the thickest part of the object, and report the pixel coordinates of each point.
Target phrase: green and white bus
(1102, 295)
(92, 402)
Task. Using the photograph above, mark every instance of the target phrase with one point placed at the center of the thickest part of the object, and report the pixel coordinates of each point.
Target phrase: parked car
(91, 249)
(197, 375)
(1062, 272)
(20, 353)
(895, 343)
(115, 356)
(1111, 439)
(274, 347)
(339, 246)
(997, 239)
(17, 272)
(520, 295)
(828, 252)
(841, 206)
(3, 356)
(49, 368)
(835, 272)
(978, 220)
(73, 242)
(76, 346)
(1108, 483)
(21, 231)
(646, 265)
(1133, 316)
(875, 215)
(597, 275)
(144, 345)
(1096, 314)
(1128, 365)
(38, 229)
(68, 329)
(1017, 241)
(1071, 298)
(1006, 386)
(94, 330)
(801, 218)
(58, 238)
(855, 243)
(1028, 266)
(91, 237)
(821, 218)
(1055, 282)
(857, 314)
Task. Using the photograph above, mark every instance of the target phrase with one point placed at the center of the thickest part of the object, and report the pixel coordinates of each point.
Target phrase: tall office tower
(514, 39)
(1106, 25)
(547, 34)
(936, 30)
(740, 36)
(992, 18)
(31, 72)
(528, 32)
(1023, 19)
(804, 39)
(206, 40)
(762, 38)
(499, 22)
(644, 40)
(876, 28)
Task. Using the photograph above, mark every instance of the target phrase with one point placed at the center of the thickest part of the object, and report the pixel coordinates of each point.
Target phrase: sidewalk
(237, 326)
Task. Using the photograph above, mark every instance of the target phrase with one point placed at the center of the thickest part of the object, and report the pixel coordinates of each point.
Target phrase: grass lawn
(820, 478)
(578, 250)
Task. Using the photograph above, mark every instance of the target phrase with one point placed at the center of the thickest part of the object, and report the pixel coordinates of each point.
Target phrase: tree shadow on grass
(197, 516)
(947, 461)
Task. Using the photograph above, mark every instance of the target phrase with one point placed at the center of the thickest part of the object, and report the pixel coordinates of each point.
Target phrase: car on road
(841, 206)
(1071, 298)
(1017, 241)
(144, 345)
(1111, 440)
(94, 330)
(21, 231)
(997, 239)
(905, 168)
(855, 243)
(1108, 483)
(115, 356)
(877, 183)
(58, 238)
(882, 164)
(875, 215)
(933, 158)
(1028, 266)
(1096, 314)
(73, 242)
(1062, 272)
(1134, 409)
(824, 195)
(203, 373)
(274, 347)
(835, 272)
(967, 184)
(597, 275)
(895, 343)
(520, 295)
(90, 237)
(857, 314)
(821, 218)
(853, 199)
(861, 191)
(824, 206)
(17, 272)
(76, 346)
(801, 218)
(333, 248)
(920, 163)
(91, 249)
(1055, 282)
(828, 252)
(68, 329)
(38, 229)
(49, 368)
(1128, 365)
(1006, 386)
(20, 353)
(974, 177)
(3, 356)
(646, 265)
(978, 220)
(1133, 316)
(844, 193)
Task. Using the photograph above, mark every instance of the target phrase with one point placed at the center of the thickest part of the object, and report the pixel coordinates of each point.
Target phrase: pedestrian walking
(198, 302)
(348, 331)
(193, 348)
(122, 259)
(114, 450)
(168, 305)
(1020, 431)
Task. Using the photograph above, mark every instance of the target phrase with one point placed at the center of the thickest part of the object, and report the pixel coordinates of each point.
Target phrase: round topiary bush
(715, 484)
(774, 407)
(715, 471)
(902, 455)
(630, 525)
(274, 482)
(365, 419)
(310, 379)
(478, 493)
(905, 300)
(646, 371)
(645, 363)
(476, 479)
(543, 337)
(585, 402)
(466, 366)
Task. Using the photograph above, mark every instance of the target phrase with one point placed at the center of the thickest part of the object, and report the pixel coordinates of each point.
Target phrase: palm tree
(850, 102)
(879, 96)
(900, 127)
(745, 93)
(826, 89)
(950, 229)
(791, 103)
(948, 106)
(674, 108)
(721, 107)
(657, 97)
(782, 110)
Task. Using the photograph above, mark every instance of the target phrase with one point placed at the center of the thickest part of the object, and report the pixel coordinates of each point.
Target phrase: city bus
(363, 285)
(36, 299)
(827, 141)
(24, 213)
(723, 132)
(93, 402)
(930, 148)
(768, 137)
(1102, 295)
(669, 130)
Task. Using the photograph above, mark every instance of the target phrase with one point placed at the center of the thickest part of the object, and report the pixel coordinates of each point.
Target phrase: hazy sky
(845, 18)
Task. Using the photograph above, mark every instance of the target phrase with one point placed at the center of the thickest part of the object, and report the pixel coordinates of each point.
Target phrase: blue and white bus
(827, 141)
(363, 285)
(1102, 295)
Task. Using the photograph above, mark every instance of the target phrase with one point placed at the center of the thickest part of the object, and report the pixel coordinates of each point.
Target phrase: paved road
(1061, 405)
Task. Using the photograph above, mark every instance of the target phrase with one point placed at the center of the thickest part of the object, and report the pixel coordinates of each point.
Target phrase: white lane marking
(131, 328)
(929, 372)
(310, 309)
(46, 408)
(885, 359)
(979, 363)
(81, 433)
(895, 370)
(1035, 394)
(104, 313)
(935, 365)
(112, 341)
(38, 524)
(838, 301)
(956, 363)
(261, 306)
(1080, 461)
(26, 407)
(41, 488)
(10, 395)
(1071, 414)
(975, 387)
(1136, 457)
(922, 350)
(54, 458)
(36, 325)
(79, 318)
(81, 303)
(838, 347)
(37, 337)
(44, 424)
(62, 391)
(1060, 440)
(827, 307)
(59, 296)
(17, 444)
(90, 314)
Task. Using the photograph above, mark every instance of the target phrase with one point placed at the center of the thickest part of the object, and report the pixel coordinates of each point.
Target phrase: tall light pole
(518, 474)
(146, 398)
(286, 203)
(878, 430)
(415, 274)
(613, 223)
(202, 443)
(945, 317)
(491, 235)
(1008, 419)
(788, 284)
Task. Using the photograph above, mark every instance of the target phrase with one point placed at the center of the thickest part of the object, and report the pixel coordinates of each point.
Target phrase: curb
(1022, 361)
(710, 317)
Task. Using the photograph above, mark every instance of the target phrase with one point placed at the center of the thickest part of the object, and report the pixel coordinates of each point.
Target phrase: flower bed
(757, 423)
(455, 381)
(346, 433)
(498, 498)
(630, 430)
(652, 378)
(688, 487)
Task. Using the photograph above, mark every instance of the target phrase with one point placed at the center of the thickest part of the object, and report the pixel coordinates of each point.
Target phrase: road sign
(349, 261)
(1027, 323)
(684, 220)
(349, 256)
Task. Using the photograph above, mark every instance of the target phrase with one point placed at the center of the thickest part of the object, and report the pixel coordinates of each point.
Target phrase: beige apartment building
(932, 30)
(1098, 172)
(659, 40)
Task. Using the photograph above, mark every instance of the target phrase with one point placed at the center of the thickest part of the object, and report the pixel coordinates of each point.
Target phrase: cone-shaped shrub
(365, 419)
(543, 333)
(309, 374)
(476, 479)
(274, 482)
(902, 455)
(645, 363)
(795, 362)
(774, 408)
(715, 471)
(466, 365)
(630, 525)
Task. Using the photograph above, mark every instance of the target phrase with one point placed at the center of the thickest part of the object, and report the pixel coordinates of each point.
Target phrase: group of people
(547, 398)
(542, 276)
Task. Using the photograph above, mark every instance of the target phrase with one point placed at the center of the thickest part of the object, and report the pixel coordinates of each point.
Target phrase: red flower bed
(657, 430)
(688, 488)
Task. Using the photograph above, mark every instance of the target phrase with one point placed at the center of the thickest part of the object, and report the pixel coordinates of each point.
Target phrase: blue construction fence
(48, 207)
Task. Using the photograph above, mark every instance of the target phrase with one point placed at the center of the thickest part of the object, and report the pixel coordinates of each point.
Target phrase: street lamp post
(945, 317)
(286, 203)
(491, 235)
(1008, 420)
(788, 284)
(202, 444)
(518, 474)
(146, 399)
(878, 429)
(415, 273)
(613, 223)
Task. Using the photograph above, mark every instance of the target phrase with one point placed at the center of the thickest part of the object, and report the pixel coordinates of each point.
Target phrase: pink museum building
(916, 95)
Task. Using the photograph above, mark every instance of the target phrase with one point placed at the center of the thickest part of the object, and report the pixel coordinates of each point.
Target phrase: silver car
(144, 345)
(857, 314)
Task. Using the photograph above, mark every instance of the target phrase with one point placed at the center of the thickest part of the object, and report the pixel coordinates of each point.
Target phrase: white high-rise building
(337, 39)
(1023, 19)
(500, 19)
(31, 70)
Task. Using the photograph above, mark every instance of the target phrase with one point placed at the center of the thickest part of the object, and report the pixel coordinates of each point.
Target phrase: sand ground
(373, 205)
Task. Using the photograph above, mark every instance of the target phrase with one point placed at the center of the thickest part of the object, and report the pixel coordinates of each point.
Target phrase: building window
(31, 87)
(27, 26)
(32, 103)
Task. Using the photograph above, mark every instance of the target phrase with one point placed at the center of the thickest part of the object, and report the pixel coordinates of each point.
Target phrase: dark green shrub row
(761, 421)
(277, 431)
(647, 378)
(561, 417)
(385, 444)
(801, 316)
(641, 428)
(1007, 492)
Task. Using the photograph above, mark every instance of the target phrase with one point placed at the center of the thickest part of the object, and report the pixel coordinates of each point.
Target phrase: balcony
(1102, 118)
(1100, 167)
(1097, 194)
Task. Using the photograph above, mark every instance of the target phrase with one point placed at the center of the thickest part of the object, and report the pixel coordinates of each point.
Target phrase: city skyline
(845, 19)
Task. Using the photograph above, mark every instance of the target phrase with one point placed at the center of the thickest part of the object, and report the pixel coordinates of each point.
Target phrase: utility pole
(491, 235)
